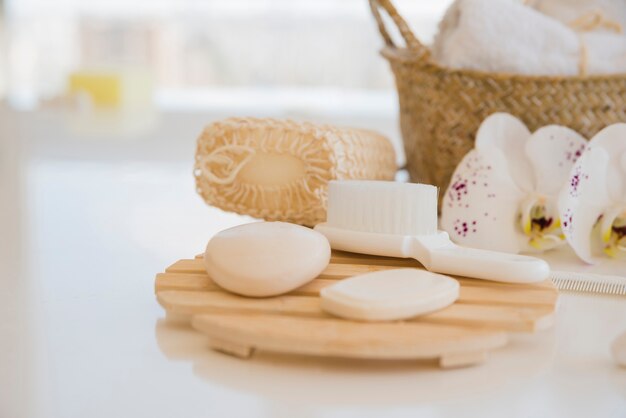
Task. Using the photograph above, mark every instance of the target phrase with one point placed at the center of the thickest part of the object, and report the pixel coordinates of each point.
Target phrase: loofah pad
(279, 170)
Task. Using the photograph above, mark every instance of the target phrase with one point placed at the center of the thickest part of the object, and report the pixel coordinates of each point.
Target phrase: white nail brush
(400, 220)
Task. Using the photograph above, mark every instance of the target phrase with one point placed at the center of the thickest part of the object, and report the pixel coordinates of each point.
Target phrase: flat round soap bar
(266, 258)
(619, 350)
(389, 295)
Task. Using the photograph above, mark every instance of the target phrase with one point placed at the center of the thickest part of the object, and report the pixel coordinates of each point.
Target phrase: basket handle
(411, 41)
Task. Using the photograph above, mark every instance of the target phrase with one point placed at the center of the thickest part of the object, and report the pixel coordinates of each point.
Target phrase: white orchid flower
(592, 204)
(503, 195)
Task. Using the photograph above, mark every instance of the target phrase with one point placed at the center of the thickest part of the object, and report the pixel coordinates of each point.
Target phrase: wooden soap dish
(459, 335)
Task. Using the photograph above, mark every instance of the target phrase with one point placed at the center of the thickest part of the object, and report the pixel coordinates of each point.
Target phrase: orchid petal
(612, 231)
(552, 151)
(480, 207)
(526, 207)
(502, 132)
(584, 199)
(613, 140)
(606, 224)
(554, 231)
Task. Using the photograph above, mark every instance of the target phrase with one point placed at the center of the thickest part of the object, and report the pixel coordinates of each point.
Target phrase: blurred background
(101, 102)
(199, 50)
(119, 68)
(119, 80)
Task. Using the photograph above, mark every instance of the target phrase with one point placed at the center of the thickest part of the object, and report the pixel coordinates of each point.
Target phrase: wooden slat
(376, 263)
(336, 337)
(476, 295)
(187, 266)
(341, 271)
(194, 303)
(182, 281)
(333, 271)
(508, 318)
(344, 270)
(544, 285)
(503, 296)
(341, 257)
(353, 258)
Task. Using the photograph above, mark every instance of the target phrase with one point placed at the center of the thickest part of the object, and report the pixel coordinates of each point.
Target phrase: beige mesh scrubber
(278, 170)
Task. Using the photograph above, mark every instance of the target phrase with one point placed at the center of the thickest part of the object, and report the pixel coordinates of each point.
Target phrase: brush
(589, 283)
(400, 220)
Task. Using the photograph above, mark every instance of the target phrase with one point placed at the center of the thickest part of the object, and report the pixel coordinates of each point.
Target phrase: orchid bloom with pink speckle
(592, 204)
(503, 195)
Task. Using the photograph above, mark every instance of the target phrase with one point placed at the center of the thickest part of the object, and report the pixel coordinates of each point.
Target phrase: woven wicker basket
(441, 108)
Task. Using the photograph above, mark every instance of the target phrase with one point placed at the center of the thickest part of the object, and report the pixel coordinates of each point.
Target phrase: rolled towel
(568, 11)
(508, 36)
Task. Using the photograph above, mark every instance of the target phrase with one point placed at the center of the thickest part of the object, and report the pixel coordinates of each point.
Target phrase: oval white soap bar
(266, 258)
(389, 295)
(619, 350)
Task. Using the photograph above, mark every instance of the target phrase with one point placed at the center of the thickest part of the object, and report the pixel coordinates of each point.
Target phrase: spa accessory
(592, 203)
(459, 335)
(619, 350)
(278, 170)
(589, 283)
(465, 98)
(503, 194)
(568, 11)
(507, 36)
(400, 220)
(389, 295)
(265, 258)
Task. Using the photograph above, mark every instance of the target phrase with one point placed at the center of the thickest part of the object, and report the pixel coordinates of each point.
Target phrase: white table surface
(81, 334)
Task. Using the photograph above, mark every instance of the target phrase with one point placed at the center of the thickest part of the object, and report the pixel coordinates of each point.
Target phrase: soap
(266, 258)
(619, 350)
(389, 295)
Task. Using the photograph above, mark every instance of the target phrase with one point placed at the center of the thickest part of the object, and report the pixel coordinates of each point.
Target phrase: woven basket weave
(441, 108)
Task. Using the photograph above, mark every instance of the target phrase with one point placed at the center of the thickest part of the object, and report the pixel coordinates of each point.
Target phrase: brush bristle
(383, 207)
(589, 283)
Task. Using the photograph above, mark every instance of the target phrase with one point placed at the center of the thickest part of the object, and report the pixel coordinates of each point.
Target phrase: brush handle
(438, 254)
(449, 258)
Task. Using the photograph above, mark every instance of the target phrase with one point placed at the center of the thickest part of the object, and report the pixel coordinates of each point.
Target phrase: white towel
(569, 10)
(507, 36)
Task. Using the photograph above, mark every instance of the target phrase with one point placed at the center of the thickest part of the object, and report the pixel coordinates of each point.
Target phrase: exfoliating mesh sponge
(279, 170)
